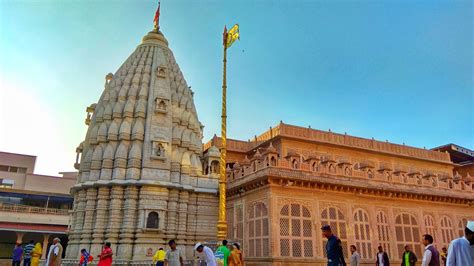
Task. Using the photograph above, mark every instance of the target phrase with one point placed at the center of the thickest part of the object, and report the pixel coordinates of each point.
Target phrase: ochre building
(288, 182)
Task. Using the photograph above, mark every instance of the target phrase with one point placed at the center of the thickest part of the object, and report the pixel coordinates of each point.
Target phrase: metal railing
(12, 207)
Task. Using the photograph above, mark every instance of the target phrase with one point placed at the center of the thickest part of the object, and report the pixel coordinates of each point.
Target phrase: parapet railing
(12, 207)
(334, 168)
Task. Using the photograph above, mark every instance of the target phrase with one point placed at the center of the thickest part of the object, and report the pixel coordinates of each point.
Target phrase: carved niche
(159, 150)
(161, 105)
(161, 72)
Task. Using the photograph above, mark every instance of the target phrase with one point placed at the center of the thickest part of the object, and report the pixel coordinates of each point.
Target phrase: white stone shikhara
(143, 154)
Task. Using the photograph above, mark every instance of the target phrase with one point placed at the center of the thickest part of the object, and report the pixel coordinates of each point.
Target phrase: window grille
(296, 231)
(407, 233)
(362, 233)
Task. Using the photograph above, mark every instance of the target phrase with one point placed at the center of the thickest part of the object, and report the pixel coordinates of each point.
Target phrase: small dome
(213, 151)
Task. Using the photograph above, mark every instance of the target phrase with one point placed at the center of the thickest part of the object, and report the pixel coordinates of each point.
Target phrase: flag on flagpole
(224, 36)
(156, 21)
(232, 35)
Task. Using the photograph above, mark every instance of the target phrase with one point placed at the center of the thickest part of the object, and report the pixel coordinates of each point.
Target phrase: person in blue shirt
(333, 247)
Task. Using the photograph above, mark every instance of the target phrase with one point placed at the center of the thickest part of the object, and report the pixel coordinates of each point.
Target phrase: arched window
(152, 221)
(383, 231)
(333, 216)
(362, 233)
(446, 230)
(215, 167)
(407, 232)
(430, 225)
(296, 232)
(294, 164)
(461, 225)
(273, 161)
(258, 230)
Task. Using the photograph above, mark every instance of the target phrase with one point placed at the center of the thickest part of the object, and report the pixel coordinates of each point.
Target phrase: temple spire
(156, 21)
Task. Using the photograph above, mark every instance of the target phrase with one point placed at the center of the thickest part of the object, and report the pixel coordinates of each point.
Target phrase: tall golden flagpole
(222, 222)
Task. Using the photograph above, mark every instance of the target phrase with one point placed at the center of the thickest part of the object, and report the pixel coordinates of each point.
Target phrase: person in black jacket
(409, 258)
(333, 248)
(382, 258)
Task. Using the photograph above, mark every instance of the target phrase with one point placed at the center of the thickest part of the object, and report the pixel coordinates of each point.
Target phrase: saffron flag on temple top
(156, 21)
(232, 35)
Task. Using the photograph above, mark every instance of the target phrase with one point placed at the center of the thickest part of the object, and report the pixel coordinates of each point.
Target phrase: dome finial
(156, 21)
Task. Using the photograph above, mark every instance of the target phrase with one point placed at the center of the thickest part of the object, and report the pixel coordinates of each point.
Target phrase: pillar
(115, 216)
(100, 220)
(191, 221)
(86, 237)
(77, 222)
(127, 231)
(182, 216)
(172, 214)
(19, 237)
(45, 246)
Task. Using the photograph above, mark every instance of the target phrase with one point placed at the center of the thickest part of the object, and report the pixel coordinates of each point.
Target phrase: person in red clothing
(86, 258)
(105, 258)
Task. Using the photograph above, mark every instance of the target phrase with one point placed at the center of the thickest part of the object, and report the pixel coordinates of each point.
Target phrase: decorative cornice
(272, 176)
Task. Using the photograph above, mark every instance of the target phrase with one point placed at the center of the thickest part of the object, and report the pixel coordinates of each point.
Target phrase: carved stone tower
(141, 180)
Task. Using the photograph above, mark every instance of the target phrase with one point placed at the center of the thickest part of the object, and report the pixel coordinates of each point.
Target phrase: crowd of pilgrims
(459, 253)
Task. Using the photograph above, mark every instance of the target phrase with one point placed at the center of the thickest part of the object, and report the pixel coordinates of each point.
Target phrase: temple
(140, 179)
(145, 177)
(286, 183)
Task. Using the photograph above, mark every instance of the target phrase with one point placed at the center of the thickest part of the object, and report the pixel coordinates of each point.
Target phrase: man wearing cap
(333, 247)
(208, 254)
(55, 253)
(461, 250)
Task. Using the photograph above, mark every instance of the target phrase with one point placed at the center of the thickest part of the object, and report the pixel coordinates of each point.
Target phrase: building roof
(459, 154)
(308, 134)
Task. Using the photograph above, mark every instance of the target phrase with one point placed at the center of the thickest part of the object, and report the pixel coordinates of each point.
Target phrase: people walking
(236, 258)
(86, 258)
(55, 253)
(333, 247)
(461, 250)
(27, 253)
(224, 250)
(159, 257)
(174, 256)
(382, 258)
(409, 258)
(208, 254)
(105, 257)
(17, 255)
(443, 255)
(36, 254)
(431, 255)
(355, 257)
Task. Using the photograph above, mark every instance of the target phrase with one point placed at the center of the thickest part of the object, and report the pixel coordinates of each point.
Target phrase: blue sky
(393, 70)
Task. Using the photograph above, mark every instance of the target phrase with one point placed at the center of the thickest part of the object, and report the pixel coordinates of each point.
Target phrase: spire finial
(156, 21)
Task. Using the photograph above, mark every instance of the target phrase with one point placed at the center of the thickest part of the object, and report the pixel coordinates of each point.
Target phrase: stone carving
(161, 105)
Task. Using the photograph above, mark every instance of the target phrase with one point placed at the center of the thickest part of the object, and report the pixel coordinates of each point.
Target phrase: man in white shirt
(54, 253)
(208, 254)
(355, 257)
(461, 250)
(431, 256)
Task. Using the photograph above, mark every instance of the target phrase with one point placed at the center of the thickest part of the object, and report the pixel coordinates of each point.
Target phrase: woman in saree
(36, 254)
(235, 258)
